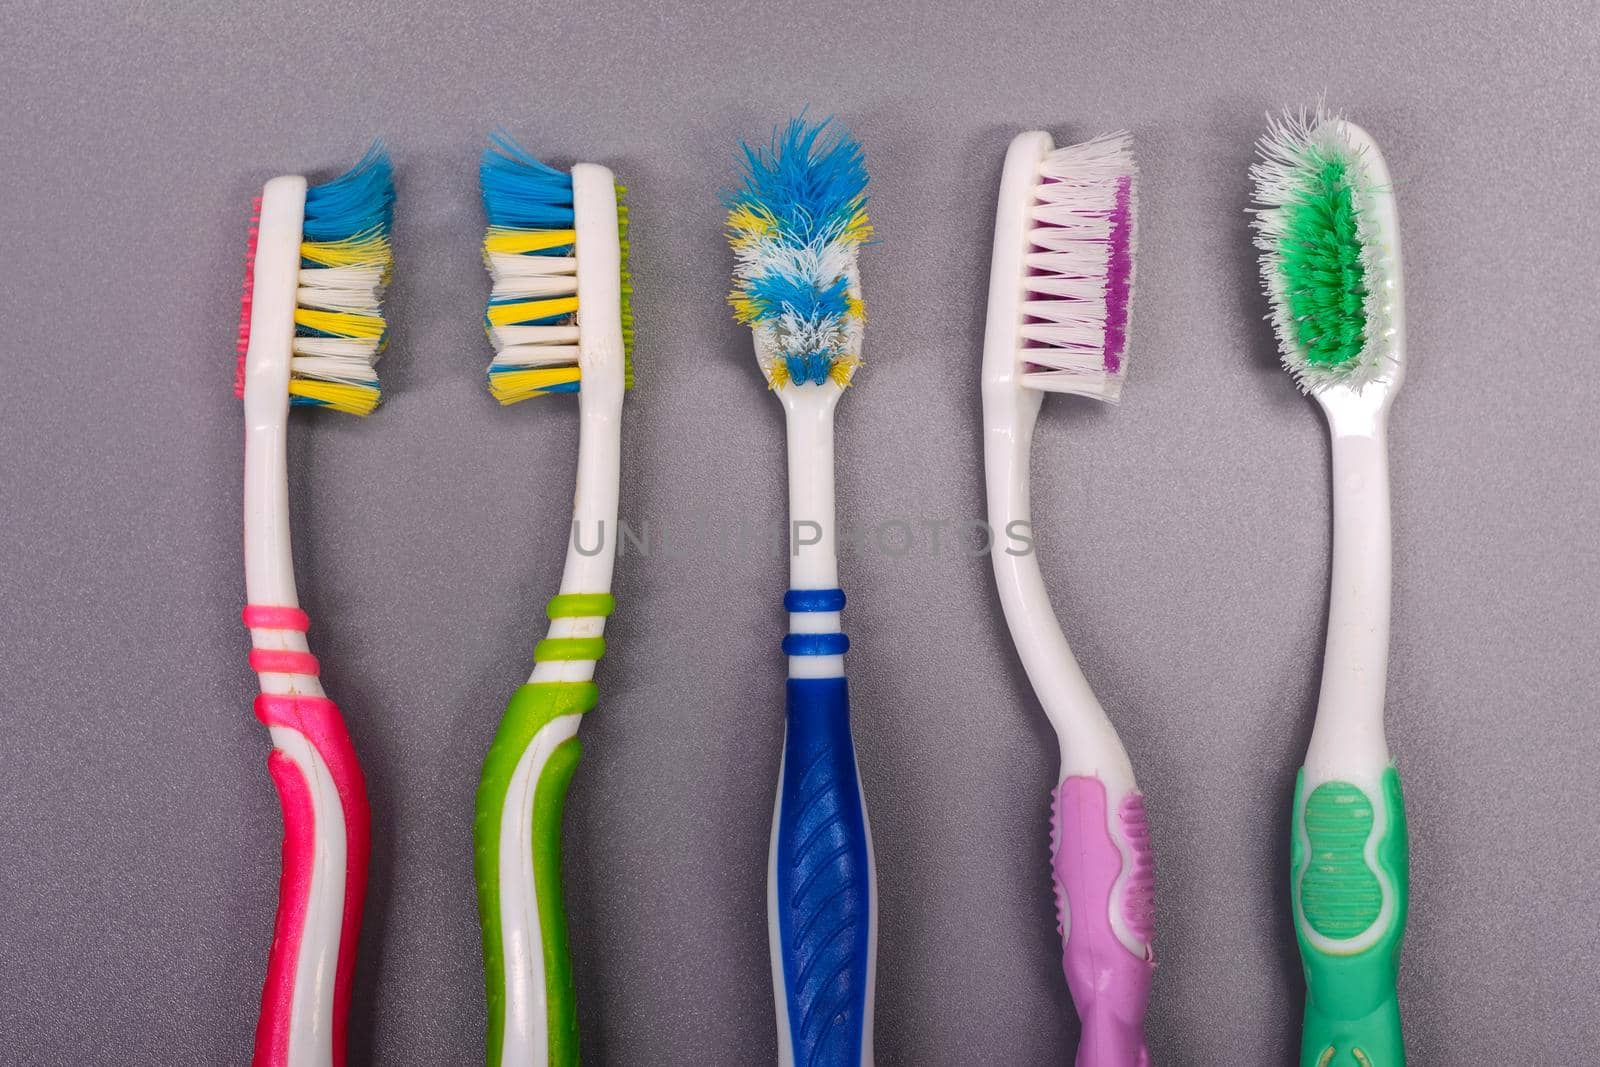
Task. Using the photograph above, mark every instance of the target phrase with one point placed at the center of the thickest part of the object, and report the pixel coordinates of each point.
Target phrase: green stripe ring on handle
(580, 605)
(569, 648)
(1352, 1014)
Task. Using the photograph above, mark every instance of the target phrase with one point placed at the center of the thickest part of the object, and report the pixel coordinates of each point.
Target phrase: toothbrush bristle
(796, 227)
(1321, 259)
(248, 298)
(345, 263)
(1080, 253)
(530, 250)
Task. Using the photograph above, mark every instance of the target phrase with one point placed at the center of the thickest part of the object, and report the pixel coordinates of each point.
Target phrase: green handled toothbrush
(1330, 259)
(559, 319)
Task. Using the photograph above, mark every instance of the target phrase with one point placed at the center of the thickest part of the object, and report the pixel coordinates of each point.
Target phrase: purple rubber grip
(1109, 984)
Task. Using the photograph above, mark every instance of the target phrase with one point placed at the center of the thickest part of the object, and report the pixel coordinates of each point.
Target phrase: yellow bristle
(503, 239)
(511, 386)
(341, 396)
(859, 230)
(361, 251)
(339, 323)
(526, 310)
(748, 224)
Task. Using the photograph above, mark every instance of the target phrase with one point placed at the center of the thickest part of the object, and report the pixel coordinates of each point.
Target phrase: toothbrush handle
(822, 896)
(327, 839)
(516, 833)
(1109, 984)
(1349, 920)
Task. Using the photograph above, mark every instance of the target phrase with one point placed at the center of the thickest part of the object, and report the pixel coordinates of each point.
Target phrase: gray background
(1185, 534)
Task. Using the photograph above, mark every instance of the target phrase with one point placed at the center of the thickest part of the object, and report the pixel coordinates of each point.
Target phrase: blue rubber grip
(824, 881)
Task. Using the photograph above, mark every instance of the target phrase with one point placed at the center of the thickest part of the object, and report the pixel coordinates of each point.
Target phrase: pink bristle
(249, 295)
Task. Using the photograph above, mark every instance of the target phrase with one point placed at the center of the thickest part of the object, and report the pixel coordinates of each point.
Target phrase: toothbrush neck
(1348, 736)
(592, 544)
(813, 534)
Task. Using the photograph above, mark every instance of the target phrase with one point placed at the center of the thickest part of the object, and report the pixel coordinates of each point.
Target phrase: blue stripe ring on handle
(814, 600)
(815, 645)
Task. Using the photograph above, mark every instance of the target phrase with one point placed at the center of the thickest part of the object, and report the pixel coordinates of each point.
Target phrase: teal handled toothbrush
(796, 226)
(560, 321)
(1330, 259)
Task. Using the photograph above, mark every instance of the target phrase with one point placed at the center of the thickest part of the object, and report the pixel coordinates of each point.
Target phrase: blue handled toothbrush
(796, 226)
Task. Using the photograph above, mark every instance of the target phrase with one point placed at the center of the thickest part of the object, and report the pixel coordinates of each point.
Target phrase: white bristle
(364, 349)
(340, 288)
(1070, 256)
(518, 276)
(333, 369)
(510, 336)
(540, 355)
(506, 264)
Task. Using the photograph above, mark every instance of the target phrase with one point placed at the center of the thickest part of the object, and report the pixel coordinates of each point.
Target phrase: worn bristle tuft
(796, 226)
(1321, 260)
(1081, 240)
(345, 264)
(248, 298)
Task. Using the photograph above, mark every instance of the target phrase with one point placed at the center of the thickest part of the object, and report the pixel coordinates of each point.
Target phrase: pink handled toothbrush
(309, 335)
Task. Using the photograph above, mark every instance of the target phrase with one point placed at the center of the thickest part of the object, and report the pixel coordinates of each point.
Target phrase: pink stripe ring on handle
(270, 617)
(283, 661)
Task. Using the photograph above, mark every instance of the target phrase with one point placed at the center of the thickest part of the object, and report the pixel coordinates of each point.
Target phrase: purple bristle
(1119, 275)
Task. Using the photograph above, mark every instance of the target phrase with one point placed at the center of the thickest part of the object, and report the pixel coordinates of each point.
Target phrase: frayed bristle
(796, 227)
(1081, 242)
(345, 264)
(1321, 256)
(248, 298)
(533, 317)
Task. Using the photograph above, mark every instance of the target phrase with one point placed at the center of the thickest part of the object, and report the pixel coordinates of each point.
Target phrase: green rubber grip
(532, 708)
(1352, 1010)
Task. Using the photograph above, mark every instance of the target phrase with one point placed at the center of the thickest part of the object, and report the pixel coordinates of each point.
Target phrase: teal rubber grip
(1352, 1016)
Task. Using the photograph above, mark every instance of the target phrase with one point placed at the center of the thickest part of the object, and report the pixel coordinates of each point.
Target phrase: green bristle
(1320, 261)
(627, 289)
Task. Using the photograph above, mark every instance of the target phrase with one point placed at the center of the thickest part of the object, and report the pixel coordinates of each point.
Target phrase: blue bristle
(802, 296)
(561, 387)
(811, 185)
(520, 192)
(358, 201)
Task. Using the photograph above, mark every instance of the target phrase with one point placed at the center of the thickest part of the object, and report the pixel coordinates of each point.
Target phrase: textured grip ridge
(823, 890)
(1350, 918)
(1109, 984)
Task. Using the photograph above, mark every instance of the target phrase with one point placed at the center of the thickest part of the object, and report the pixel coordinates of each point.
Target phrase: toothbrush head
(544, 311)
(1061, 283)
(1325, 225)
(345, 261)
(796, 226)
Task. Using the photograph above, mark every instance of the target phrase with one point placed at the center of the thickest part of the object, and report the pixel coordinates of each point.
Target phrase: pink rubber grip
(317, 720)
(1109, 984)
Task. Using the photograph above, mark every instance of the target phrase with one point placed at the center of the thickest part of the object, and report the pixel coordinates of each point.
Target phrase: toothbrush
(1330, 260)
(1060, 281)
(310, 333)
(559, 317)
(796, 226)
